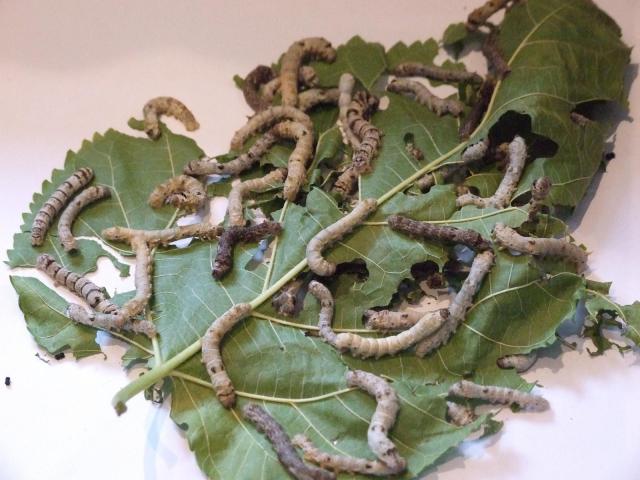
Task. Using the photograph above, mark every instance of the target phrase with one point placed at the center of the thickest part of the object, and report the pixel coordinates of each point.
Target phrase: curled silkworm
(414, 152)
(325, 318)
(415, 69)
(460, 304)
(333, 233)
(267, 118)
(70, 213)
(212, 356)
(474, 117)
(317, 96)
(297, 162)
(539, 191)
(391, 321)
(360, 110)
(234, 235)
(307, 77)
(507, 237)
(166, 106)
(441, 233)
(282, 445)
(345, 89)
(183, 192)
(496, 62)
(251, 87)
(241, 189)
(110, 321)
(286, 300)
(316, 48)
(503, 395)
(59, 198)
(480, 15)
(509, 183)
(423, 96)
(460, 415)
(203, 231)
(519, 362)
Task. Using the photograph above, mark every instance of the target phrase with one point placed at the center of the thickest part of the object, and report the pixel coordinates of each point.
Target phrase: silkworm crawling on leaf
(390, 320)
(480, 15)
(503, 395)
(415, 69)
(251, 87)
(317, 96)
(281, 444)
(212, 356)
(316, 48)
(579, 119)
(334, 232)
(506, 237)
(307, 77)
(267, 118)
(203, 231)
(142, 279)
(509, 183)
(360, 110)
(519, 362)
(460, 415)
(110, 321)
(496, 62)
(241, 189)
(346, 182)
(286, 300)
(474, 117)
(56, 202)
(414, 152)
(345, 89)
(173, 107)
(297, 162)
(234, 235)
(325, 318)
(183, 192)
(84, 198)
(423, 96)
(539, 191)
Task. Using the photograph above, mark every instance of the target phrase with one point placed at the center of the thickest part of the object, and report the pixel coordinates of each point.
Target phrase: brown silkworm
(345, 89)
(281, 444)
(441, 233)
(317, 96)
(496, 62)
(460, 415)
(414, 152)
(423, 96)
(325, 318)
(234, 235)
(251, 87)
(509, 183)
(507, 237)
(391, 321)
(173, 107)
(212, 356)
(474, 117)
(519, 362)
(316, 48)
(346, 182)
(286, 300)
(59, 198)
(539, 191)
(360, 110)
(241, 189)
(69, 214)
(307, 77)
(415, 69)
(110, 321)
(503, 395)
(154, 238)
(267, 118)
(480, 15)
(579, 119)
(183, 192)
(302, 153)
(333, 233)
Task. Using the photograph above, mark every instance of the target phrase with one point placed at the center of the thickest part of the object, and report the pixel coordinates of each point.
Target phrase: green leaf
(454, 34)
(422, 52)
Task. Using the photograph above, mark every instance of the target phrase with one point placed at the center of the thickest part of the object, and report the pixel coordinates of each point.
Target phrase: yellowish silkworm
(325, 318)
(502, 395)
(480, 15)
(317, 96)
(302, 153)
(539, 191)
(472, 154)
(241, 189)
(334, 232)
(183, 192)
(68, 216)
(520, 362)
(391, 321)
(460, 415)
(59, 198)
(203, 231)
(423, 96)
(267, 118)
(433, 72)
(345, 88)
(307, 77)
(212, 356)
(158, 106)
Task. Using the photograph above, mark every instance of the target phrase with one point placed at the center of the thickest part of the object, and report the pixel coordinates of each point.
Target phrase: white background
(70, 68)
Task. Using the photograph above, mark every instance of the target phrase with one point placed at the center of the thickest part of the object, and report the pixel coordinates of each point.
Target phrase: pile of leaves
(565, 56)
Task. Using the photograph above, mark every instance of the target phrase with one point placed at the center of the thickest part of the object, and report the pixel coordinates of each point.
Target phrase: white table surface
(71, 67)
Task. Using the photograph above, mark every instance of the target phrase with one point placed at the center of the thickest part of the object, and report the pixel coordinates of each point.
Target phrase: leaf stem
(272, 260)
(302, 326)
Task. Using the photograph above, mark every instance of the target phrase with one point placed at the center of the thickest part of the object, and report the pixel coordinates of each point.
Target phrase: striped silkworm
(432, 72)
(472, 154)
(502, 395)
(422, 95)
(509, 183)
(282, 445)
(298, 159)
(334, 232)
(173, 107)
(520, 362)
(110, 321)
(362, 106)
(506, 237)
(203, 231)
(474, 117)
(440, 233)
(414, 152)
(460, 415)
(496, 63)
(241, 189)
(286, 300)
(307, 77)
(390, 320)
(325, 318)
(345, 88)
(69, 214)
(346, 183)
(266, 119)
(183, 192)
(255, 79)
(234, 235)
(539, 191)
(463, 300)
(212, 356)
(59, 198)
(480, 15)
(316, 48)
(317, 96)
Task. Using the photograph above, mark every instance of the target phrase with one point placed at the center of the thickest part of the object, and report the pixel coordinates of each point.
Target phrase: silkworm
(334, 232)
(496, 62)
(234, 235)
(69, 214)
(579, 119)
(460, 304)
(441, 233)
(251, 87)
(415, 69)
(241, 189)
(507, 237)
(316, 48)
(142, 279)
(390, 321)
(281, 444)
(360, 110)
(297, 162)
(480, 15)
(307, 77)
(460, 415)
(59, 198)
(286, 300)
(317, 96)
(439, 106)
(110, 321)
(267, 118)
(474, 117)
(539, 191)
(519, 362)
(346, 182)
(325, 318)
(183, 192)
(203, 231)
(414, 152)
(345, 88)
(212, 356)
(503, 395)
(173, 107)
(509, 183)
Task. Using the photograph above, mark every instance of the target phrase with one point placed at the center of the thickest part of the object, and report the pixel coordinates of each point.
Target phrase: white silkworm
(158, 106)
(325, 318)
(345, 89)
(241, 189)
(59, 198)
(70, 213)
(519, 362)
(502, 196)
(183, 192)
(539, 191)
(302, 153)
(163, 237)
(502, 395)
(212, 356)
(460, 415)
(307, 77)
(480, 15)
(423, 96)
(316, 48)
(333, 233)
(433, 72)
(507, 237)
(317, 96)
(389, 320)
